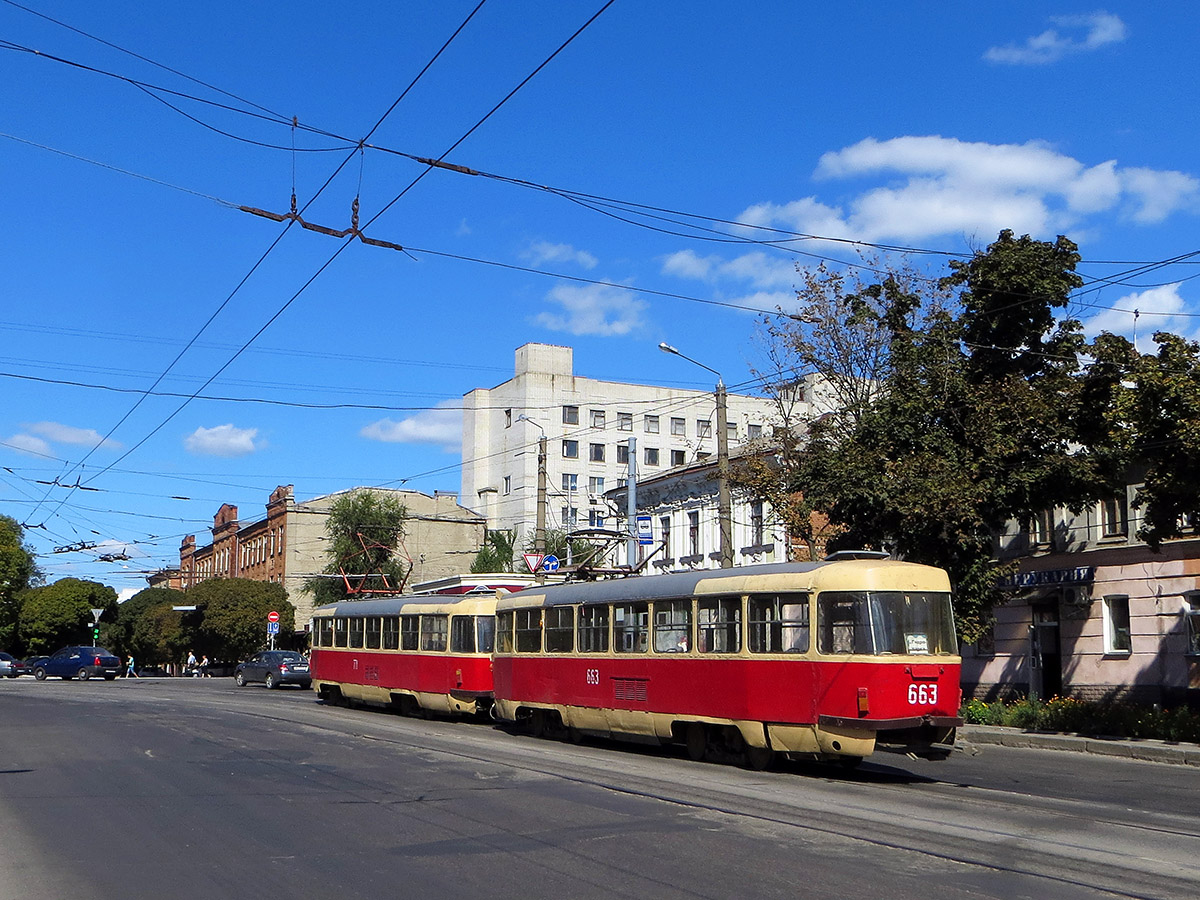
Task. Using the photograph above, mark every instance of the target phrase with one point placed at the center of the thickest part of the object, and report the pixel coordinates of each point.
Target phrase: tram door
(1045, 654)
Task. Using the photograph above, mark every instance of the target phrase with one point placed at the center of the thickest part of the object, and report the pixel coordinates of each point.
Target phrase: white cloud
(27, 443)
(767, 301)
(597, 309)
(1083, 33)
(68, 434)
(1157, 309)
(441, 427)
(689, 264)
(761, 270)
(540, 252)
(224, 440)
(1158, 194)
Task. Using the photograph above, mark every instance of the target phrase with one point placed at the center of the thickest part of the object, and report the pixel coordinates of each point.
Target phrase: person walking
(203, 671)
(190, 668)
(129, 667)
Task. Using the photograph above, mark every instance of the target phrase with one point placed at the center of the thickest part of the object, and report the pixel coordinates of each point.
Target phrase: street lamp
(724, 500)
(539, 534)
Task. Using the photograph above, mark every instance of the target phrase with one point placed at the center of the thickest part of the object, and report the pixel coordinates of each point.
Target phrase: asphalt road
(193, 788)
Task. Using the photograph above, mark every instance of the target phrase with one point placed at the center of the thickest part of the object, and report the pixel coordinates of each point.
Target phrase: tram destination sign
(1046, 577)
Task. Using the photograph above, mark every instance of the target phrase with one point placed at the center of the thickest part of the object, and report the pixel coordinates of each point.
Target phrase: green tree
(232, 616)
(158, 636)
(364, 529)
(17, 572)
(497, 553)
(127, 634)
(60, 613)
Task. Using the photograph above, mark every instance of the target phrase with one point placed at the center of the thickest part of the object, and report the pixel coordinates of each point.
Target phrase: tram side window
(504, 632)
(793, 621)
(672, 626)
(560, 629)
(462, 634)
(339, 632)
(631, 628)
(356, 632)
(373, 633)
(485, 632)
(720, 621)
(529, 630)
(593, 629)
(324, 632)
(766, 629)
(843, 622)
(410, 629)
(433, 633)
(391, 632)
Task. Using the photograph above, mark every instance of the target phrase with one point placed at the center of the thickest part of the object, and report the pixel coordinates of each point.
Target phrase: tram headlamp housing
(863, 704)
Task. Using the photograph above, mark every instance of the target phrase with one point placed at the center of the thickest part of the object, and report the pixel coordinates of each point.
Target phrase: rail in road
(1005, 821)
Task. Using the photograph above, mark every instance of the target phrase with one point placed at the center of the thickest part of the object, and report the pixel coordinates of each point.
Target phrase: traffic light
(95, 635)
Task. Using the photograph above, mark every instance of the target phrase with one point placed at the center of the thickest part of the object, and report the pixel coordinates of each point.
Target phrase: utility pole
(539, 534)
(631, 542)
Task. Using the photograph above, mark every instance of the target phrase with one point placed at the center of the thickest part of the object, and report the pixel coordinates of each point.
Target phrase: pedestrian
(204, 667)
(190, 668)
(129, 668)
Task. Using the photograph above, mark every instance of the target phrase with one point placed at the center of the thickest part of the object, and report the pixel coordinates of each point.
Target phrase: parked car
(10, 666)
(273, 668)
(31, 662)
(79, 662)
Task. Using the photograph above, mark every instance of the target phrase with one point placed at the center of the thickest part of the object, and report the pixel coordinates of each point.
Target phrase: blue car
(79, 662)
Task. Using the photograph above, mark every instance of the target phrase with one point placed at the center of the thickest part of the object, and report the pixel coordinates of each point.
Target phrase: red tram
(825, 660)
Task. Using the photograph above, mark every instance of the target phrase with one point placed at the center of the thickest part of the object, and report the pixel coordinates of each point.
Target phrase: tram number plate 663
(592, 676)
(922, 694)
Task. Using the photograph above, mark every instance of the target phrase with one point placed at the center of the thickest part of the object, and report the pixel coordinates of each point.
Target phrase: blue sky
(904, 124)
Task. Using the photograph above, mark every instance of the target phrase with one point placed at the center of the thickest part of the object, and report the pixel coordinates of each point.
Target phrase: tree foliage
(17, 572)
(60, 613)
(150, 628)
(364, 529)
(230, 621)
(497, 553)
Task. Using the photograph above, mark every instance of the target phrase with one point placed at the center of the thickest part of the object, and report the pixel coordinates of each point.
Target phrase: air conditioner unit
(1077, 595)
(596, 499)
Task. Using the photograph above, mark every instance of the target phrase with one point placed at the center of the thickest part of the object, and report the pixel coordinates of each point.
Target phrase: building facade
(1092, 612)
(289, 545)
(588, 424)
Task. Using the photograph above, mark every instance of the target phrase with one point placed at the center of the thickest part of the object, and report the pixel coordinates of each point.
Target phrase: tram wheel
(850, 762)
(759, 758)
(697, 741)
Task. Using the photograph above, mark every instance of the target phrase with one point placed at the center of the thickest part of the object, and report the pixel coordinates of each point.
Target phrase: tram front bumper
(927, 737)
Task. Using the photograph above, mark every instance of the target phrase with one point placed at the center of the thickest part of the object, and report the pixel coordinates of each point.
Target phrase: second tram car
(825, 660)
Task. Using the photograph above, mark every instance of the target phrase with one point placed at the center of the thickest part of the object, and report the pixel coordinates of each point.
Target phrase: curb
(1149, 751)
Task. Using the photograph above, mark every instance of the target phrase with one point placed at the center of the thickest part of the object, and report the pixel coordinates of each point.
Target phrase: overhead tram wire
(347, 243)
(254, 268)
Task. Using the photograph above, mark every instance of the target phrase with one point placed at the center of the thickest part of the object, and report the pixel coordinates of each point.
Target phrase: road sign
(645, 534)
(272, 628)
(550, 563)
(534, 561)
(273, 616)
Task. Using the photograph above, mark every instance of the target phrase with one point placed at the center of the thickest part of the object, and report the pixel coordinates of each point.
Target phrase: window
(678, 457)
(720, 625)
(596, 452)
(651, 456)
(529, 630)
(754, 432)
(693, 534)
(597, 418)
(672, 626)
(570, 415)
(778, 624)
(1112, 517)
(504, 632)
(571, 449)
(843, 622)
(391, 633)
(324, 636)
(409, 632)
(731, 430)
(622, 454)
(560, 629)
(665, 524)
(433, 633)
(356, 632)
(570, 516)
(593, 629)
(678, 427)
(624, 421)
(485, 631)
(756, 524)
(374, 632)
(508, 484)
(703, 428)
(462, 634)
(596, 485)
(886, 622)
(631, 632)
(1116, 624)
(570, 483)
(595, 519)
(650, 423)
(1041, 528)
(508, 418)
(1192, 611)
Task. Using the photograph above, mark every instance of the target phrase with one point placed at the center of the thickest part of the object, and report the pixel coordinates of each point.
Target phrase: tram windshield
(919, 623)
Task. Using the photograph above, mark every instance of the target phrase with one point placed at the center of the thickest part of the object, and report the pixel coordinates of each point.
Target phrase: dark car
(79, 662)
(31, 662)
(10, 666)
(273, 668)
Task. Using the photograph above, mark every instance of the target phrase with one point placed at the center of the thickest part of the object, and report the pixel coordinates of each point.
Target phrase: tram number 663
(592, 676)
(922, 694)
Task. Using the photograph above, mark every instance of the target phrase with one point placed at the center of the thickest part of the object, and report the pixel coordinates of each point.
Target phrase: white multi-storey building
(588, 424)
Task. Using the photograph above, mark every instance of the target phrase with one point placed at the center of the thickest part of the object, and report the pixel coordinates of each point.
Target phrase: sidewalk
(1153, 751)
